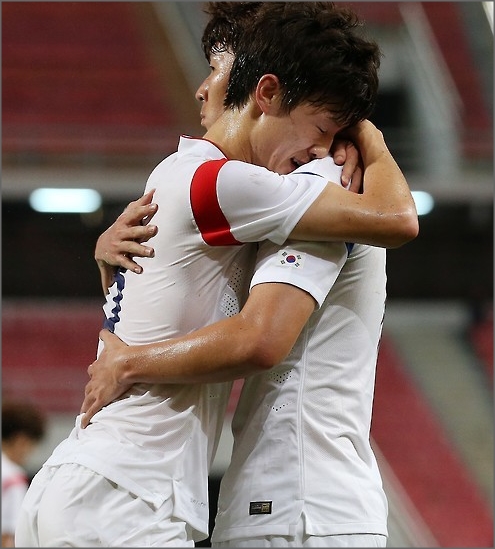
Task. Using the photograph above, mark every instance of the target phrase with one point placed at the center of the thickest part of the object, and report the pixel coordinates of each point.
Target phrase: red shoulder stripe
(213, 225)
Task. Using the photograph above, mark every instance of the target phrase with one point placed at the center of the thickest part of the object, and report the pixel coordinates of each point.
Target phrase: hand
(345, 153)
(123, 240)
(104, 385)
(369, 140)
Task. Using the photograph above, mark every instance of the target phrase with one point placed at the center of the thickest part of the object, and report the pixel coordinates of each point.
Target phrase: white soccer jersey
(301, 430)
(159, 441)
(14, 486)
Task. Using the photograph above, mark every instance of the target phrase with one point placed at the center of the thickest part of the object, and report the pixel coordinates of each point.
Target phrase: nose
(319, 151)
(322, 148)
(201, 93)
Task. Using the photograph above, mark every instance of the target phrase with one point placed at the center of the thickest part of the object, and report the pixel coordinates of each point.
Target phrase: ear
(268, 93)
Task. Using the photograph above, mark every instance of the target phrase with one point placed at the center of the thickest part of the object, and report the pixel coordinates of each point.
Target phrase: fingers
(345, 154)
(147, 197)
(341, 150)
(86, 419)
(137, 233)
(117, 245)
(143, 200)
(130, 247)
(338, 152)
(87, 409)
(137, 213)
(124, 239)
(348, 172)
(120, 260)
(356, 181)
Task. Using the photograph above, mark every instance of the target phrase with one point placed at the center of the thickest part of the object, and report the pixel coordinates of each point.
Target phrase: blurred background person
(23, 428)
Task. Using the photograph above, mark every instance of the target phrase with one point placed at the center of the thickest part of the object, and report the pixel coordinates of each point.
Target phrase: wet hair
(22, 418)
(317, 51)
(227, 22)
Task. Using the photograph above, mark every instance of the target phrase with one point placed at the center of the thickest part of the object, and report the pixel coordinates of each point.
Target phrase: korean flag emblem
(291, 259)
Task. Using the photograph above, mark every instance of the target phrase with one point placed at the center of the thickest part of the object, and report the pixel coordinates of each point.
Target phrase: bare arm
(256, 339)
(123, 239)
(383, 215)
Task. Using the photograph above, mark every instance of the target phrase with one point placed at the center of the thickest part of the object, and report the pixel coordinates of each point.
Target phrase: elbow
(404, 229)
(270, 359)
(409, 227)
(265, 339)
(265, 355)
(412, 227)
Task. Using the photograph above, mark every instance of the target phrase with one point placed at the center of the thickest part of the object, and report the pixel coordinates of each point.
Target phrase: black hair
(317, 52)
(227, 22)
(22, 418)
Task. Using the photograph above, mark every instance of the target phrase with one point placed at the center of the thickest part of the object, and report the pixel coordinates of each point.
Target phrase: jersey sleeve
(234, 202)
(310, 266)
(324, 167)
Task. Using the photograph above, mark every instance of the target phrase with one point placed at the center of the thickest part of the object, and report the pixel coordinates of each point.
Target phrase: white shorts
(300, 539)
(72, 506)
(343, 540)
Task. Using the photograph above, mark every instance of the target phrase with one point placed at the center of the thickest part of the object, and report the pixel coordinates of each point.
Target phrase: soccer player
(308, 418)
(139, 470)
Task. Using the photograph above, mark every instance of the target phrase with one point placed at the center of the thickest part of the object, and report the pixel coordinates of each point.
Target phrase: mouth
(296, 163)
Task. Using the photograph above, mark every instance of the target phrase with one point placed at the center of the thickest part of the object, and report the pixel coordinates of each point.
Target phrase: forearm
(386, 201)
(383, 215)
(254, 340)
(384, 183)
(386, 194)
(221, 352)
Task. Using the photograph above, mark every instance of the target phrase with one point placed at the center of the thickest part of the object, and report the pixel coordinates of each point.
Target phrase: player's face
(288, 141)
(211, 93)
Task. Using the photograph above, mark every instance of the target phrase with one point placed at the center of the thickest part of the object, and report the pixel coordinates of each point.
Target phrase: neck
(232, 132)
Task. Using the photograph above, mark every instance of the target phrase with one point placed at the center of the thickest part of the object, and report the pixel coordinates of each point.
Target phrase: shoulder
(324, 167)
